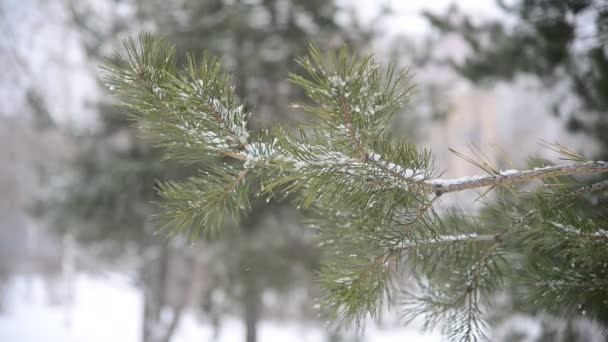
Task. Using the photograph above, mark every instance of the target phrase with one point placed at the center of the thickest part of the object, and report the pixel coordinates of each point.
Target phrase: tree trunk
(252, 313)
(156, 287)
(154, 275)
(187, 288)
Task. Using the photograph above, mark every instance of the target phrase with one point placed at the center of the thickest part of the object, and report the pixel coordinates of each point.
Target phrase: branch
(233, 155)
(441, 186)
(451, 238)
(599, 186)
(351, 130)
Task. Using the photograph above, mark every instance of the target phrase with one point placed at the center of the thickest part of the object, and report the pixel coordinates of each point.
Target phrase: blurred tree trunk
(162, 315)
(154, 276)
(186, 289)
(252, 313)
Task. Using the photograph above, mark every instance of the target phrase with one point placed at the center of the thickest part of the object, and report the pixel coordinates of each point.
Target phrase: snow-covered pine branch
(373, 197)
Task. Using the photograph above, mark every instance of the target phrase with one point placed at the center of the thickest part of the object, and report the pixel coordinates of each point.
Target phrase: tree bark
(187, 290)
(154, 277)
(252, 313)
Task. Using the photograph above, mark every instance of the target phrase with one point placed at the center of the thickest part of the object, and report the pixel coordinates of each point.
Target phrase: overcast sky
(406, 17)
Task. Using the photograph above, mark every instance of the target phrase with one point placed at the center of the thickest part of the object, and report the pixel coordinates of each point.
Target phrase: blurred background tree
(562, 44)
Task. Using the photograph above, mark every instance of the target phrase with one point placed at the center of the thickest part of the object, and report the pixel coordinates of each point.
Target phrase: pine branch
(471, 237)
(442, 186)
(374, 197)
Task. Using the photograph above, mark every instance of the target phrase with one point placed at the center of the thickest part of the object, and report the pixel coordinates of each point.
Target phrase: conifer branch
(441, 186)
(373, 196)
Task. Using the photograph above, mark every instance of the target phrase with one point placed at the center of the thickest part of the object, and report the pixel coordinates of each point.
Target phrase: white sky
(406, 16)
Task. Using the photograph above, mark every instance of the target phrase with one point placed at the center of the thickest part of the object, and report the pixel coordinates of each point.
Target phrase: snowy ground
(109, 309)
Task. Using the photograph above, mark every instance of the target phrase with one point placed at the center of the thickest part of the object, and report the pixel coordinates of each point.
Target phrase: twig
(351, 130)
(599, 186)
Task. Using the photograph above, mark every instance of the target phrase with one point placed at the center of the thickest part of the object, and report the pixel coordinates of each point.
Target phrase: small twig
(351, 130)
(498, 240)
(421, 213)
(237, 181)
(599, 186)
(233, 155)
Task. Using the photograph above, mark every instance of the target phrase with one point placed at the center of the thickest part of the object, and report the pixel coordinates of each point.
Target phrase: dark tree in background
(562, 43)
(558, 41)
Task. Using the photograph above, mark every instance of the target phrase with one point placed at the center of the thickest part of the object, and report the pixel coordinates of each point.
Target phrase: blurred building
(503, 125)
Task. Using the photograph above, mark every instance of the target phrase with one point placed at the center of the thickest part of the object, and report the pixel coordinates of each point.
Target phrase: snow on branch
(442, 186)
(568, 229)
(449, 238)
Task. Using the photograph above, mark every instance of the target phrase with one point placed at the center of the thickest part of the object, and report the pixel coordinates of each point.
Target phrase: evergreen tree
(374, 200)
